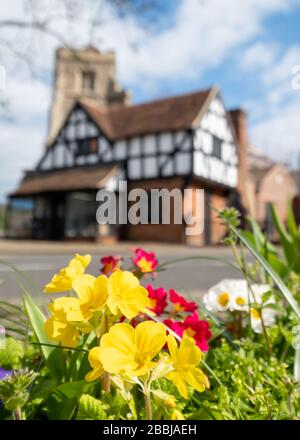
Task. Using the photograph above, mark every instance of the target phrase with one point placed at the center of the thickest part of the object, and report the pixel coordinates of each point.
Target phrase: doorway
(56, 225)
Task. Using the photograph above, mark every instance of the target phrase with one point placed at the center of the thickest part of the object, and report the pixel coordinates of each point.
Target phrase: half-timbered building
(181, 142)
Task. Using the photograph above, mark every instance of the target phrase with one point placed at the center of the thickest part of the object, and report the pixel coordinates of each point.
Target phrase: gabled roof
(259, 173)
(176, 113)
(91, 177)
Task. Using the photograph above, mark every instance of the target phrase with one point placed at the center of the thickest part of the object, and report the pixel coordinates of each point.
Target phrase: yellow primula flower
(62, 281)
(92, 294)
(130, 351)
(177, 415)
(167, 399)
(57, 327)
(185, 360)
(126, 295)
(94, 360)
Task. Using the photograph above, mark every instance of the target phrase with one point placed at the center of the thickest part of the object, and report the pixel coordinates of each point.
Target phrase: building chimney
(239, 120)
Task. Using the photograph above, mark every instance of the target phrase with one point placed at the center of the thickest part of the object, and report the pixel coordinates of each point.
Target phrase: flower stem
(104, 328)
(243, 266)
(18, 414)
(148, 405)
(106, 383)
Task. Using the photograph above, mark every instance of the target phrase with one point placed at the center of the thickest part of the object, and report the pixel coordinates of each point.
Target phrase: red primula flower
(110, 264)
(180, 303)
(197, 329)
(193, 327)
(175, 326)
(145, 261)
(158, 299)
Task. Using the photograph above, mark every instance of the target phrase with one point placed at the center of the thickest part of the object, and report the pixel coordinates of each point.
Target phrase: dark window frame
(83, 146)
(217, 147)
(88, 80)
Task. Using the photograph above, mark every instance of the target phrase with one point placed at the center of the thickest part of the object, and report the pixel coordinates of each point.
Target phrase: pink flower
(110, 264)
(193, 327)
(180, 303)
(158, 299)
(175, 326)
(145, 261)
(197, 329)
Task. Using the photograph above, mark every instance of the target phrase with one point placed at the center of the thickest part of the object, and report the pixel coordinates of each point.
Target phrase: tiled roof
(92, 177)
(258, 173)
(176, 113)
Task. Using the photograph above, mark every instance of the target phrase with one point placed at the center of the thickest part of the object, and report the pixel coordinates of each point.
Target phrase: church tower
(83, 73)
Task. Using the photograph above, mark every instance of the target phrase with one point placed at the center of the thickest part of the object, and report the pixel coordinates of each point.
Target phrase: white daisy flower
(268, 316)
(228, 294)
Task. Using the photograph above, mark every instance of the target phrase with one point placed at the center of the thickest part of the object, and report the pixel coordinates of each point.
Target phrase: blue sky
(247, 47)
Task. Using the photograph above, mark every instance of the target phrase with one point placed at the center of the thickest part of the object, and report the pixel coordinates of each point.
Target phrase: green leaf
(37, 321)
(277, 307)
(11, 354)
(278, 265)
(90, 409)
(53, 356)
(292, 225)
(43, 389)
(297, 365)
(265, 296)
(260, 239)
(267, 267)
(285, 238)
(14, 319)
(179, 260)
(62, 402)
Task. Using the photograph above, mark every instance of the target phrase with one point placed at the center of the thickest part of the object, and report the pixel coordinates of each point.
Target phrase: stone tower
(83, 73)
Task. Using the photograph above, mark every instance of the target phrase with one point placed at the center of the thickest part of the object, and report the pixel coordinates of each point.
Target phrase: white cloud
(20, 150)
(279, 133)
(204, 33)
(281, 71)
(258, 55)
(22, 137)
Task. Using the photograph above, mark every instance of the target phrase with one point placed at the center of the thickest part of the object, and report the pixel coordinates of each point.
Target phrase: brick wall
(168, 233)
(276, 187)
(218, 201)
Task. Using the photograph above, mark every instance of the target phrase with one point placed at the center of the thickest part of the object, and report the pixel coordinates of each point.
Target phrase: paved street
(38, 261)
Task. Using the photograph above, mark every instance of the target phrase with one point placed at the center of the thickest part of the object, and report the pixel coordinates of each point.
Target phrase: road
(37, 262)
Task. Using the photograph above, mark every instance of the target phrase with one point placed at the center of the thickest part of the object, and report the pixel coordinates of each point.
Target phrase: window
(80, 215)
(135, 168)
(149, 145)
(87, 146)
(135, 147)
(217, 147)
(183, 163)
(88, 81)
(93, 145)
(150, 167)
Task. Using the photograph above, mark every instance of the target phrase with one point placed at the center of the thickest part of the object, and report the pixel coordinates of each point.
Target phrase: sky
(249, 48)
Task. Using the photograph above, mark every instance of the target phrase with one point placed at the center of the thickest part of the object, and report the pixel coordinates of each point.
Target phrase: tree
(53, 19)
